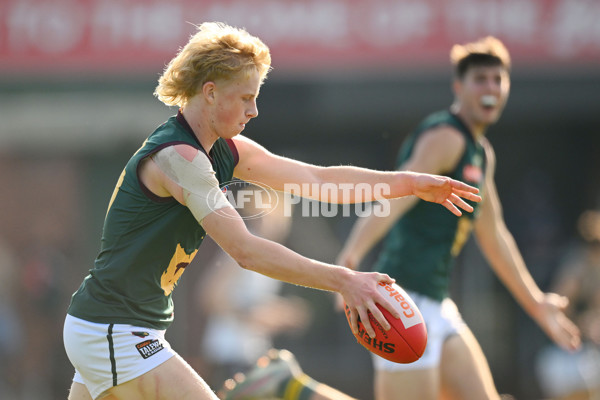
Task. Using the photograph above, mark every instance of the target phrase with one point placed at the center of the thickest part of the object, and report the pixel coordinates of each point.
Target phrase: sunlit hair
(487, 51)
(216, 52)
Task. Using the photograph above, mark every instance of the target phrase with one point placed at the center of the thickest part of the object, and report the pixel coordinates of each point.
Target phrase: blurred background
(350, 80)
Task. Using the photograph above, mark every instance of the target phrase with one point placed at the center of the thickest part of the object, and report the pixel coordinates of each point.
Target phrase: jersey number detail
(465, 225)
(179, 261)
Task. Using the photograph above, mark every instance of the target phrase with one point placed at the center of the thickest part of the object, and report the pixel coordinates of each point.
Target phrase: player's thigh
(417, 384)
(465, 373)
(173, 379)
(79, 392)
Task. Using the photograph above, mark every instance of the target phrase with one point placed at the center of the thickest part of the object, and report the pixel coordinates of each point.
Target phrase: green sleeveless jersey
(420, 249)
(147, 241)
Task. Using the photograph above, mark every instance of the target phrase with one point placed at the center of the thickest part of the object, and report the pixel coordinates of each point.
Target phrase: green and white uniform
(147, 243)
(420, 249)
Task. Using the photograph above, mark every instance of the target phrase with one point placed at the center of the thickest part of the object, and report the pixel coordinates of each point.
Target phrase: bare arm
(437, 152)
(281, 173)
(278, 262)
(502, 253)
(228, 230)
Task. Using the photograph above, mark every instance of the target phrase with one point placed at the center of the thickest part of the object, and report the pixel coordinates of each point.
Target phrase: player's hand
(552, 319)
(361, 296)
(445, 191)
(347, 260)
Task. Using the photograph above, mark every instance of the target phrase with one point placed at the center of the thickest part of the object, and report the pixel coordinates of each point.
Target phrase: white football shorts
(106, 355)
(442, 319)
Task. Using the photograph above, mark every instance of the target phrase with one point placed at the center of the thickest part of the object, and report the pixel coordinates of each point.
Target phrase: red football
(406, 340)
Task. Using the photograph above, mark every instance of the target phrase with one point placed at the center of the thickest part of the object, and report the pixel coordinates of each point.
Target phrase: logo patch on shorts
(148, 348)
(140, 334)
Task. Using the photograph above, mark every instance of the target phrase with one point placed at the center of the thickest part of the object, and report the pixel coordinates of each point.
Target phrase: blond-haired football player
(168, 198)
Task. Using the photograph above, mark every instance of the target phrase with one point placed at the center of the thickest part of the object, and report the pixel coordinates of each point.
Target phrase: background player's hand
(552, 319)
(338, 302)
(361, 296)
(445, 191)
(589, 322)
(348, 260)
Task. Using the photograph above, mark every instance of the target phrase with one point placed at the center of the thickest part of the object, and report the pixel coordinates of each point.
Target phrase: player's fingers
(364, 319)
(572, 333)
(463, 186)
(561, 329)
(467, 195)
(385, 278)
(568, 340)
(557, 301)
(460, 202)
(389, 307)
(353, 319)
(448, 204)
(561, 302)
(379, 317)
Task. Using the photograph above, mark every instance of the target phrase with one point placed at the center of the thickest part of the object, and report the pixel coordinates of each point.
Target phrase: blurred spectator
(10, 325)
(41, 307)
(40, 226)
(241, 324)
(576, 375)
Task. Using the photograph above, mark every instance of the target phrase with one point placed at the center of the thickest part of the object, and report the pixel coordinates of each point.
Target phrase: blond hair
(486, 51)
(216, 52)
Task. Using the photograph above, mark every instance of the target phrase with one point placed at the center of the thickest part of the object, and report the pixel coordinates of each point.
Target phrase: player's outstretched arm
(280, 173)
(359, 289)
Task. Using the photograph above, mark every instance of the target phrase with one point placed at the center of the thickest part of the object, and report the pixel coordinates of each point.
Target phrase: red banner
(140, 36)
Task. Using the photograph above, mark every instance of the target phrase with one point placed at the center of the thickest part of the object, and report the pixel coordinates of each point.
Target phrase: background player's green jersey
(420, 249)
(147, 241)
